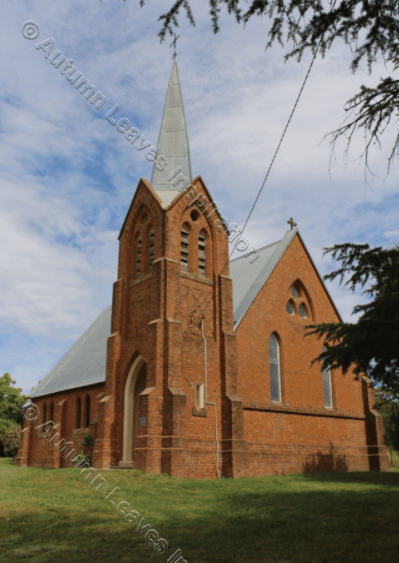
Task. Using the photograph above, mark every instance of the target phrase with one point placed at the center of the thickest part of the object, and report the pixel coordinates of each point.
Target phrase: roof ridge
(259, 249)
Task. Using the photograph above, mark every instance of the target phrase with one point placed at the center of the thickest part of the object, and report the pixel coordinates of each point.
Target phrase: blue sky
(67, 177)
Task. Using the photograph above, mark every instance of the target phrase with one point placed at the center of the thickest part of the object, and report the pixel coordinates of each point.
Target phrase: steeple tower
(172, 140)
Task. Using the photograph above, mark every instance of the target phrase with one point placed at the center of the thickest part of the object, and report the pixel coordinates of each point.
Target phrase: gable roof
(85, 362)
(248, 279)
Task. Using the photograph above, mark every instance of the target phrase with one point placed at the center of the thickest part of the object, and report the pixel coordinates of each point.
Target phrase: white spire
(172, 140)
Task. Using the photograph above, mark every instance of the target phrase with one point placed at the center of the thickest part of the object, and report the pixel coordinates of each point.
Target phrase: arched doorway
(135, 384)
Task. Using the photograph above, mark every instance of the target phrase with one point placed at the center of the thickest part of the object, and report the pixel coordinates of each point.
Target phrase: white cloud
(67, 176)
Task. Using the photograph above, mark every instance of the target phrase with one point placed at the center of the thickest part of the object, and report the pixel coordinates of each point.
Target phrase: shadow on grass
(306, 518)
(275, 520)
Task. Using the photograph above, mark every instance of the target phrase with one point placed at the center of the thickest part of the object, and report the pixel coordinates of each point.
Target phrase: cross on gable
(292, 222)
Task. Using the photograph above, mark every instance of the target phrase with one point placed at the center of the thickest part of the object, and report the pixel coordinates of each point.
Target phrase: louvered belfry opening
(184, 252)
(138, 257)
(150, 250)
(202, 254)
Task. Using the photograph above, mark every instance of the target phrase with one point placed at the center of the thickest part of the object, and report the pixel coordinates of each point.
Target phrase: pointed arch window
(87, 411)
(274, 366)
(44, 416)
(290, 307)
(295, 292)
(184, 249)
(302, 310)
(327, 386)
(202, 254)
(150, 249)
(78, 412)
(138, 256)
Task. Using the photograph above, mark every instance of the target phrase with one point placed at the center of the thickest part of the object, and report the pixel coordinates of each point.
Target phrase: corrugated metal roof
(84, 363)
(172, 140)
(248, 279)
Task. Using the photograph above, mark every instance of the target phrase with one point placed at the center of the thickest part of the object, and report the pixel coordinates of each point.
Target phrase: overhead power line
(277, 149)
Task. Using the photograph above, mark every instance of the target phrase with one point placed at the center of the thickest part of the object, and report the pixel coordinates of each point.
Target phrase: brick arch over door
(135, 384)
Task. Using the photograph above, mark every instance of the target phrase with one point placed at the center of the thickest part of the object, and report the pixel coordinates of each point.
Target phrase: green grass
(53, 515)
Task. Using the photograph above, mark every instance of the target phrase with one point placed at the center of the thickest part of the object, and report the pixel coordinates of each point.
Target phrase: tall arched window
(184, 249)
(327, 385)
(202, 254)
(52, 411)
(78, 412)
(44, 416)
(274, 365)
(87, 411)
(138, 257)
(150, 249)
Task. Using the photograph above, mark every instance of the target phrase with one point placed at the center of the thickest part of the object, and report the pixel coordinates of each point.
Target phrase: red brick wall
(35, 450)
(290, 436)
(158, 315)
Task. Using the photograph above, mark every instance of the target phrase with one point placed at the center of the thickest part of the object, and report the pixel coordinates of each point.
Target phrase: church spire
(172, 140)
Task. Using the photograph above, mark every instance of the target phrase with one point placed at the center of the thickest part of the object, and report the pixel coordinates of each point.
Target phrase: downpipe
(206, 399)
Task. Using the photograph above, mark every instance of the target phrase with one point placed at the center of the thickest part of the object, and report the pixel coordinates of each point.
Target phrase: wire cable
(276, 151)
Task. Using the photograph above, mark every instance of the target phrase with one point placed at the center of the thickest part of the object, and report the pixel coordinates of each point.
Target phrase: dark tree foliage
(369, 27)
(371, 344)
(11, 402)
(11, 399)
(10, 441)
(387, 404)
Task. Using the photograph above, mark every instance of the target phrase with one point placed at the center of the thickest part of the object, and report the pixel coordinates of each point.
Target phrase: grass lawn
(53, 515)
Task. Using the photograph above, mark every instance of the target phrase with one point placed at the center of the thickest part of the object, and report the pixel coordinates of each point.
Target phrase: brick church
(200, 367)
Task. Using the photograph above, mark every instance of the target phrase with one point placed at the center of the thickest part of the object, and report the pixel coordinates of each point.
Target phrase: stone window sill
(199, 412)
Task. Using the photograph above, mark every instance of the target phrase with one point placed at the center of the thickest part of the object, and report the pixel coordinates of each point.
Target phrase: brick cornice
(140, 279)
(196, 277)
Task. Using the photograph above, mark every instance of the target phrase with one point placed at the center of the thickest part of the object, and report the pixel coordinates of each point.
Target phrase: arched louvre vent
(184, 252)
(327, 385)
(138, 257)
(302, 310)
(150, 250)
(274, 365)
(202, 254)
